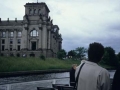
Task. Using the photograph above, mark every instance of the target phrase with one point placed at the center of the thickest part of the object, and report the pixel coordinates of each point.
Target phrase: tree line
(109, 57)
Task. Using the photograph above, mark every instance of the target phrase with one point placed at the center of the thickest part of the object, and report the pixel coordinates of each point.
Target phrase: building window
(18, 47)
(30, 11)
(39, 11)
(19, 34)
(34, 33)
(11, 34)
(3, 47)
(3, 34)
(35, 11)
(11, 41)
(19, 41)
(3, 41)
(10, 47)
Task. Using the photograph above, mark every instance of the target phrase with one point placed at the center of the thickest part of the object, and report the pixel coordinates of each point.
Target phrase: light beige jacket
(93, 77)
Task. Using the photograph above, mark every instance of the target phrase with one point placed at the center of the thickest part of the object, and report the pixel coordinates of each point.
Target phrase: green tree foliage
(118, 56)
(109, 57)
(81, 52)
(42, 57)
(61, 54)
(105, 59)
(72, 53)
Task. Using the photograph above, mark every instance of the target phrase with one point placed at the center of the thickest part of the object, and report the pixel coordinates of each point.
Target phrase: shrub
(11, 54)
(2, 54)
(61, 54)
(18, 55)
(42, 57)
(32, 54)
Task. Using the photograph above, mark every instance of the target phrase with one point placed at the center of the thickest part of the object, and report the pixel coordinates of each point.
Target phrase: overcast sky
(80, 21)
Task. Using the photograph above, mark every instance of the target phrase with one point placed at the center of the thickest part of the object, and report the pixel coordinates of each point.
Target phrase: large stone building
(35, 35)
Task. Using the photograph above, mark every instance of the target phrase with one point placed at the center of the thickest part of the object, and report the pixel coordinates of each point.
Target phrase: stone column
(51, 42)
(28, 41)
(24, 38)
(7, 42)
(40, 39)
(57, 46)
(14, 40)
(44, 37)
(54, 44)
(49, 39)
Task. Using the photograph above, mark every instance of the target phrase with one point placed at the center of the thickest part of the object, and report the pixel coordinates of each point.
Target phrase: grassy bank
(11, 64)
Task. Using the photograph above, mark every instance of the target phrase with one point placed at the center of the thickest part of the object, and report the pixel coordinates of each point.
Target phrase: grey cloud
(81, 22)
(114, 26)
(73, 42)
(114, 43)
(4, 12)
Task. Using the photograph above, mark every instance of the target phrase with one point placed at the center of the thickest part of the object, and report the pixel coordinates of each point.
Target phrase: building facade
(35, 35)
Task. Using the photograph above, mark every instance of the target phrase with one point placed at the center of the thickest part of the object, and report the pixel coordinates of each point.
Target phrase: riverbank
(20, 64)
(35, 72)
(15, 64)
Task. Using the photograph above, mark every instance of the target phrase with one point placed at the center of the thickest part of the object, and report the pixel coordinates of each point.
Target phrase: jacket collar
(89, 62)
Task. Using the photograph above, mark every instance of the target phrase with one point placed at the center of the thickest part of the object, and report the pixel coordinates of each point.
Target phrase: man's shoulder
(103, 71)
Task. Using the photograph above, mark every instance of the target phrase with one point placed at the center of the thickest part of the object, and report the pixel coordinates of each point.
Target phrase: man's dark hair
(95, 52)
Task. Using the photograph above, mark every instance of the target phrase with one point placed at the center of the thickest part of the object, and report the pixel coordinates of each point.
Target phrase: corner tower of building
(36, 9)
(36, 34)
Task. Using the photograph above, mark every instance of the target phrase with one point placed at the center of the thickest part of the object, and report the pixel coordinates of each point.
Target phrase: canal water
(33, 81)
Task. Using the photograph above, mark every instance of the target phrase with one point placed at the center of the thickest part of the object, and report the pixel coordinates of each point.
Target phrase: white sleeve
(104, 80)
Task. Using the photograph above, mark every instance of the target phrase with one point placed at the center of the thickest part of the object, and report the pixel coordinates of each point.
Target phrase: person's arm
(104, 80)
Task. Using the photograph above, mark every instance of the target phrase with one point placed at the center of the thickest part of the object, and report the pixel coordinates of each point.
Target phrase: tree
(61, 54)
(105, 59)
(109, 57)
(118, 56)
(72, 53)
(81, 52)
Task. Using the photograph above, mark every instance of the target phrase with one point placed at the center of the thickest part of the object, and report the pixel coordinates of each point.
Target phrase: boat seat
(67, 88)
(44, 88)
(59, 86)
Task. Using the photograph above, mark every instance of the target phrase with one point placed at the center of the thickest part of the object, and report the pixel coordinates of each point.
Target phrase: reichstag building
(35, 35)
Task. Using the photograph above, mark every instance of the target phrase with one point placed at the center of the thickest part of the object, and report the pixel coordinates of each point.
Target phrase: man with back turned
(92, 76)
